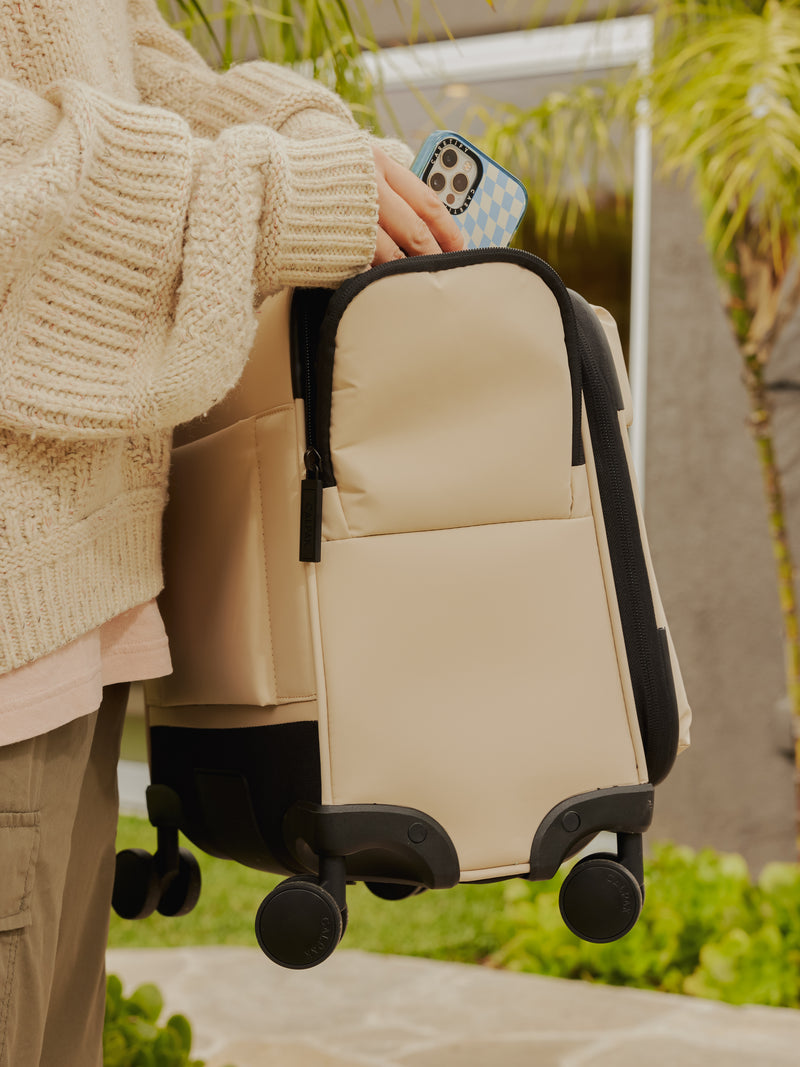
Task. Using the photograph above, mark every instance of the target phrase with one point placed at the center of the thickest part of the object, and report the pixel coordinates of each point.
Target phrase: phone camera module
(449, 157)
(460, 183)
(437, 181)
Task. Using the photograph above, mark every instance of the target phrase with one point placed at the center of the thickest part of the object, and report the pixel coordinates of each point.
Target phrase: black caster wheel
(611, 856)
(394, 890)
(614, 858)
(600, 899)
(299, 924)
(306, 878)
(183, 889)
(136, 884)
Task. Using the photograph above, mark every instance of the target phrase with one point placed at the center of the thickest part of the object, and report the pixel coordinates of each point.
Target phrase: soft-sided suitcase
(416, 635)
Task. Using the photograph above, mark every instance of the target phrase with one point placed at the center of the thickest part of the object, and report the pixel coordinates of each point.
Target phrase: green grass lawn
(452, 924)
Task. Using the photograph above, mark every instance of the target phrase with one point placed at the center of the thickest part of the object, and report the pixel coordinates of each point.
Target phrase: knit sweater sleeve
(171, 74)
(133, 251)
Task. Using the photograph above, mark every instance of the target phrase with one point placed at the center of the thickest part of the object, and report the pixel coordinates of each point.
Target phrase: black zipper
(646, 646)
(307, 312)
(311, 486)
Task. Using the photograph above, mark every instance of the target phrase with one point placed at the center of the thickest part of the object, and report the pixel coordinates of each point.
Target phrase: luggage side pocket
(19, 850)
(236, 616)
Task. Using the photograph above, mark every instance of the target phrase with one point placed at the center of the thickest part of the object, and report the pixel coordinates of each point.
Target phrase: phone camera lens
(437, 182)
(449, 157)
(460, 182)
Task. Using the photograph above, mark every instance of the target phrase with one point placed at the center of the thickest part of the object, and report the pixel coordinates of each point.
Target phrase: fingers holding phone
(412, 221)
(486, 200)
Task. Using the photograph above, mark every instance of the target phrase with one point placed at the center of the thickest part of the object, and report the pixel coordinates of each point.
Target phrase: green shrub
(705, 930)
(132, 1036)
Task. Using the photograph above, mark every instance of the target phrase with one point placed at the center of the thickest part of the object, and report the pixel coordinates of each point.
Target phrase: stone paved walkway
(364, 1010)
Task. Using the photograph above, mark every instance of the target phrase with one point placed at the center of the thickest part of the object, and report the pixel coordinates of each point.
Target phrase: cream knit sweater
(146, 205)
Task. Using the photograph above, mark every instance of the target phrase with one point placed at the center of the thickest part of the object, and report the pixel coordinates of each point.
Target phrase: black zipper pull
(311, 509)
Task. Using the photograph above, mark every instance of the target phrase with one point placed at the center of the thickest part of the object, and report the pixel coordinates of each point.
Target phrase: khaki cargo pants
(58, 817)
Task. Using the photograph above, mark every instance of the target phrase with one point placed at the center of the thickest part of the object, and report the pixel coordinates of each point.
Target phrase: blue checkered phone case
(494, 206)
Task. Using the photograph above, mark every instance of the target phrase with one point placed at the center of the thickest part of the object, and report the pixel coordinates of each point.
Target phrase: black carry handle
(646, 644)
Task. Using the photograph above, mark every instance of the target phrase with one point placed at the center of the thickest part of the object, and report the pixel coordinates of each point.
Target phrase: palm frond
(725, 98)
(724, 104)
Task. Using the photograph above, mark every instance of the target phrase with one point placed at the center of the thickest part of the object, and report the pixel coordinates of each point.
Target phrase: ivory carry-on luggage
(416, 635)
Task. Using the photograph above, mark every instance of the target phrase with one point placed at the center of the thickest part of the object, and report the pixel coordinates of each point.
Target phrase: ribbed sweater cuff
(320, 222)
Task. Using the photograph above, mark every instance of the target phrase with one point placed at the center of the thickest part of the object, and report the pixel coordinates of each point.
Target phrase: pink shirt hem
(68, 683)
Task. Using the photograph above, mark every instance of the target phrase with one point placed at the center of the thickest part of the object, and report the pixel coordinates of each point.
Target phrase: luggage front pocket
(472, 674)
(427, 413)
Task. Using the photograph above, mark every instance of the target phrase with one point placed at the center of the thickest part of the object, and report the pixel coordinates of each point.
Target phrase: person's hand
(412, 220)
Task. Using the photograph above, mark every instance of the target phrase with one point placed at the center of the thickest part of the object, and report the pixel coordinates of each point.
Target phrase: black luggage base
(396, 851)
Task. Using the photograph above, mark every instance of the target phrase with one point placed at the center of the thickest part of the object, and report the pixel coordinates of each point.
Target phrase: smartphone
(485, 199)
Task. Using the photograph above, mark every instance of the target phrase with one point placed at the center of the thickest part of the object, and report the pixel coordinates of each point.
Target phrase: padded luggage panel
(455, 417)
(471, 674)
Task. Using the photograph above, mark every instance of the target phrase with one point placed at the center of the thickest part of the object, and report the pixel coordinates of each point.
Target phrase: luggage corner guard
(573, 822)
(417, 844)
